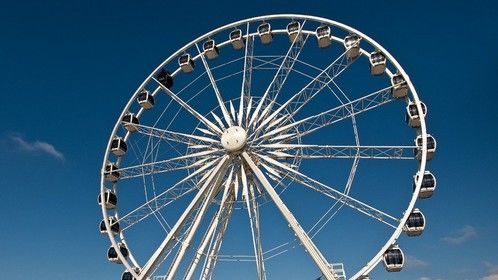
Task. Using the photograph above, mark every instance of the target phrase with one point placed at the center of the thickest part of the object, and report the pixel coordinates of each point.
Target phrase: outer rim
(422, 130)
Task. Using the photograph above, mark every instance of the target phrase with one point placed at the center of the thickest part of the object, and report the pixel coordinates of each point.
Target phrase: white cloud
(37, 147)
(424, 278)
(492, 272)
(412, 261)
(490, 277)
(462, 235)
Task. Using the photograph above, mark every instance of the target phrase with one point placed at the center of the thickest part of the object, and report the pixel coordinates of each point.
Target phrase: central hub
(234, 139)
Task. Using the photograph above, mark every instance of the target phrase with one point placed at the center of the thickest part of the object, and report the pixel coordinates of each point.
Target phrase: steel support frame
(310, 247)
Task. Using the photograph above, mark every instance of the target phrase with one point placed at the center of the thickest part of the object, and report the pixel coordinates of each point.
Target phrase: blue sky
(68, 69)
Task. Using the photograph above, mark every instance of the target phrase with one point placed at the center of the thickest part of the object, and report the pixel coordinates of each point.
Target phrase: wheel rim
(298, 147)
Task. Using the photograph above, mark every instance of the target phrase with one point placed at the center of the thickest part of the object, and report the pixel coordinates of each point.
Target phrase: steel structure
(244, 150)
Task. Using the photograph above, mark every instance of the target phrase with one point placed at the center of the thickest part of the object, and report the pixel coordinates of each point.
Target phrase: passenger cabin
(393, 259)
(428, 184)
(210, 49)
(352, 46)
(111, 172)
(113, 222)
(130, 122)
(145, 99)
(400, 87)
(431, 147)
(415, 224)
(118, 146)
(323, 36)
(237, 39)
(293, 30)
(112, 254)
(165, 79)
(265, 34)
(128, 276)
(412, 116)
(110, 199)
(186, 63)
(377, 63)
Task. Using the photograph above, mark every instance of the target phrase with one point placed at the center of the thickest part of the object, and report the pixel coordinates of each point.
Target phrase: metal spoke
(188, 161)
(245, 91)
(212, 257)
(310, 247)
(184, 138)
(204, 190)
(214, 188)
(253, 212)
(181, 188)
(223, 108)
(280, 77)
(315, 185)
(227, 195)
(328, 117)
(329, 151)
(301, 98)
(191, 110)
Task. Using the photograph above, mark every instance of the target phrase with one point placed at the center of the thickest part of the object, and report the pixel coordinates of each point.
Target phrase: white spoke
(212, 257)
(205, 131)
(211, 229)
(329, 75)
(301, 98)
(329, 151)
(248, 111)
(328, 117)
(205, 190)
(243, 179)
(253, 212)
(245, 91)
(232, 110)
(223, 108)
(236, 186)
(168, 135)
(183, 187)
(306, 181)
(310, 247)
(218, 120)
(281, 75)
(191, 110)
(188, 161)
(195, 225)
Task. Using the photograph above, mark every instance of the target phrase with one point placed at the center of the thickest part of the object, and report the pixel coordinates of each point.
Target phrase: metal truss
(328, 117)
(205, 190)
(245, 91)
(335, 194)
(183, 138)
(283, 151)
(317, 84)
(173, 164)
(183, 187)
(271, 93)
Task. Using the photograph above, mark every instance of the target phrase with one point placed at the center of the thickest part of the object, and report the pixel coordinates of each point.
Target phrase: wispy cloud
(492, 272)
(37, 147)
(424, 278)
(412, 261)
(462, 235)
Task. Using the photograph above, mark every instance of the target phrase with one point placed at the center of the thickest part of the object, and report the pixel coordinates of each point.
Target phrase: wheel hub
(234, 139)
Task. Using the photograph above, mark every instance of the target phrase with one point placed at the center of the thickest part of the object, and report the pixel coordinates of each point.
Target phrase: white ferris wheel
(241, 149)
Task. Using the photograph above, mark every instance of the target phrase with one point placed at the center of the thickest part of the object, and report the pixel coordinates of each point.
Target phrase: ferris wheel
(243, 148)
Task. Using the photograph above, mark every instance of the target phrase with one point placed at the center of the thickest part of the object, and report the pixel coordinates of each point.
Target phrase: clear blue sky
(68, 69)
